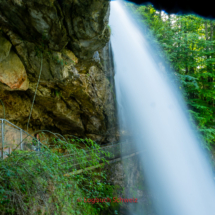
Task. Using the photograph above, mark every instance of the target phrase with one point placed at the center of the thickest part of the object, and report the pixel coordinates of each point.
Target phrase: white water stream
(176, 168)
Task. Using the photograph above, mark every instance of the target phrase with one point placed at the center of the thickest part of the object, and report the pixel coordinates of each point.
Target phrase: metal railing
(11, 137)
(108, 152)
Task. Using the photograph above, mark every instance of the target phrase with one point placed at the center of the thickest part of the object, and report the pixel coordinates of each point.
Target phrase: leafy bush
(48, 182)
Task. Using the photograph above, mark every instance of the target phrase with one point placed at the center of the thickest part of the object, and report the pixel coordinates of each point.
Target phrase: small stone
(72, 56)
(96, 56)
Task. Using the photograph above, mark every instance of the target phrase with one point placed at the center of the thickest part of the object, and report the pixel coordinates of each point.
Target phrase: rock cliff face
(60, 38)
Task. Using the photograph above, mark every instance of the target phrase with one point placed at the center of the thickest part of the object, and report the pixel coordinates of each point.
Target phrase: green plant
(47, 181)
(109, 28)
(57, 93)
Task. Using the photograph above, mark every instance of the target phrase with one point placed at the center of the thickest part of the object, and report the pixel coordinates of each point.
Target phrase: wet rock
(36, 21)
(87, 25)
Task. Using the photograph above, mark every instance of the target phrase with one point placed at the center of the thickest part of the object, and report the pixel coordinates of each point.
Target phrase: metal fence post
(38, 146)
(2, 137)
(21, 146)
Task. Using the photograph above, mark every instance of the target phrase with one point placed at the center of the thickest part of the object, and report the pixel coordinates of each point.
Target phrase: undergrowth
(43, 182)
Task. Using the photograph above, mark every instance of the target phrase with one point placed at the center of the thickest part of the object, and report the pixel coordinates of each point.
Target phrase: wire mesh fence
(13, 137)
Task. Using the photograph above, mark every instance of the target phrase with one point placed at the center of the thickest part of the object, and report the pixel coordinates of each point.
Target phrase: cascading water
(176, 168)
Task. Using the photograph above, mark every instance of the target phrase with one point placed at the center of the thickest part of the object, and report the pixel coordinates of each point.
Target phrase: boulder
(13, 73)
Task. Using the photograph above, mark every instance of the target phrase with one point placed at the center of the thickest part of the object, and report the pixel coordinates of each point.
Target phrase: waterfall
(153, 111)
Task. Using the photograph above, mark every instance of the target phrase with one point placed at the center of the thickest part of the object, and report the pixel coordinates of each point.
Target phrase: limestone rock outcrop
(59, 38)
(83, 24)
(13, 75)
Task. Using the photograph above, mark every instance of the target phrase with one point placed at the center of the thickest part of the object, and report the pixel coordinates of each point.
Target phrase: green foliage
(109, 28)
(57, 93)
(187, 42)
(43, 182)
